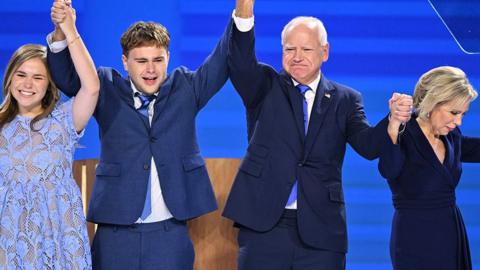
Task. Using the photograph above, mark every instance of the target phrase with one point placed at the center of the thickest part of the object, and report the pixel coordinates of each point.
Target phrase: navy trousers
(163, 245)
(282, 249)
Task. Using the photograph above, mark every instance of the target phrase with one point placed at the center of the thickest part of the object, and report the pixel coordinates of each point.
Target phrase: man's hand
(400, 113)
(63, 17)
(400, 106)
(244, 8)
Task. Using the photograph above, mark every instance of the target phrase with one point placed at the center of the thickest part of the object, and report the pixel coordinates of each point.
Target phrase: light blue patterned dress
(42, 224)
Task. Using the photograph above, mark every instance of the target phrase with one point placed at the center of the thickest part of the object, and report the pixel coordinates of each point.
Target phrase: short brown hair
(144, 34)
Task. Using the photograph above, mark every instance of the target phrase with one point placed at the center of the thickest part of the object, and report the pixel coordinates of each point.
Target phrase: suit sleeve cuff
(56, 46)
(243, 24)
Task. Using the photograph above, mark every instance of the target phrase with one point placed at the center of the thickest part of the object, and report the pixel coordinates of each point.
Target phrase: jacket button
(146, 166)
(300, 164)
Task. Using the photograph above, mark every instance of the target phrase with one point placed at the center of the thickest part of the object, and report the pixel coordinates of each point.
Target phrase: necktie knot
(302, 88)
(145, 100)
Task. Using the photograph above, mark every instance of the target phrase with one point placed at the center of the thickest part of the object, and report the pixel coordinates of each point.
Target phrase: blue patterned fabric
(145, 100)
(42, 224)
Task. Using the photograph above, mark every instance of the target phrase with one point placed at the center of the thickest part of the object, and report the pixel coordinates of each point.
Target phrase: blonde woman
(42, 225)
(423, 165)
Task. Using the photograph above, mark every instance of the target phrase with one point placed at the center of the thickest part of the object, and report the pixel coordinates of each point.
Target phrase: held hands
(400, 106)
(244, 8)
(63, 17)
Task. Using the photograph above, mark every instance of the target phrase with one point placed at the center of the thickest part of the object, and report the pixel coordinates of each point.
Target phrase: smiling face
(303, 54)
(147, 67)
(445, 118)
(29, 85)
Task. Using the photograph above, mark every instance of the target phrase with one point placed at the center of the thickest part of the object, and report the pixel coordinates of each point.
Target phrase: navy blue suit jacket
(279, 152)
(428, 231)
(128, 143)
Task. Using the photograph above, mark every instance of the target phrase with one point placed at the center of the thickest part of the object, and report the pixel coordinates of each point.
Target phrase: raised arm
(392, 156)
(63, 16)
(244, 9)
(368, 141)
(391, 160)
(59, 61)
(250, 78)
(210, 77)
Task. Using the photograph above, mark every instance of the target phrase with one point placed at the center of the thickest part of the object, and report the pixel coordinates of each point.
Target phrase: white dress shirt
(159, 208)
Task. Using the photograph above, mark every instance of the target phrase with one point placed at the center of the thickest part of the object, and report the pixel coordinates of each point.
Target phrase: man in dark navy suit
(287, 198)
(151, 177)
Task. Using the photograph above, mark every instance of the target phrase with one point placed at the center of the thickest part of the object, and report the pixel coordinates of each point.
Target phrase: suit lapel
(323, 98)
(126, 92)
(296, 103)
(162, 98)
(426, 150)
(449, 159)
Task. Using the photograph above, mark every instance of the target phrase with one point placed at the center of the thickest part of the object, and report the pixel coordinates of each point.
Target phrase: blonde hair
(439, 86)
(310, 22)
(9, 107)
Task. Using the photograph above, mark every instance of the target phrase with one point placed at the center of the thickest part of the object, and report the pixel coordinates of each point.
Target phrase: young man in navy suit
(287, 198)
(151, 178)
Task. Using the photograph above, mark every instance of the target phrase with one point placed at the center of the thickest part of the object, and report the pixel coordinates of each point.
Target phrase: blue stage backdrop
(377, 47)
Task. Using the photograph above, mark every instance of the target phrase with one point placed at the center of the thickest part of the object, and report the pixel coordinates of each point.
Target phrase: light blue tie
(303, 89)
(145, 100)
(143, 110)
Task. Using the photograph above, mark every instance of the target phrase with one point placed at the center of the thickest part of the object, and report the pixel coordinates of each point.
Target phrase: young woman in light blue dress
(42, 224)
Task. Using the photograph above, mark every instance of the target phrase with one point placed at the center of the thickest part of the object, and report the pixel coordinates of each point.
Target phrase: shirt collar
(313, 85)
(135, 90)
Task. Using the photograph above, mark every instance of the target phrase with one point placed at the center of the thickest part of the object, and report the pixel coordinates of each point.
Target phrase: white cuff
(243, 24)
(56, 46)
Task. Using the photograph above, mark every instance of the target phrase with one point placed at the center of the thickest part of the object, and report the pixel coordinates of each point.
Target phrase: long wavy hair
(9, 108)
